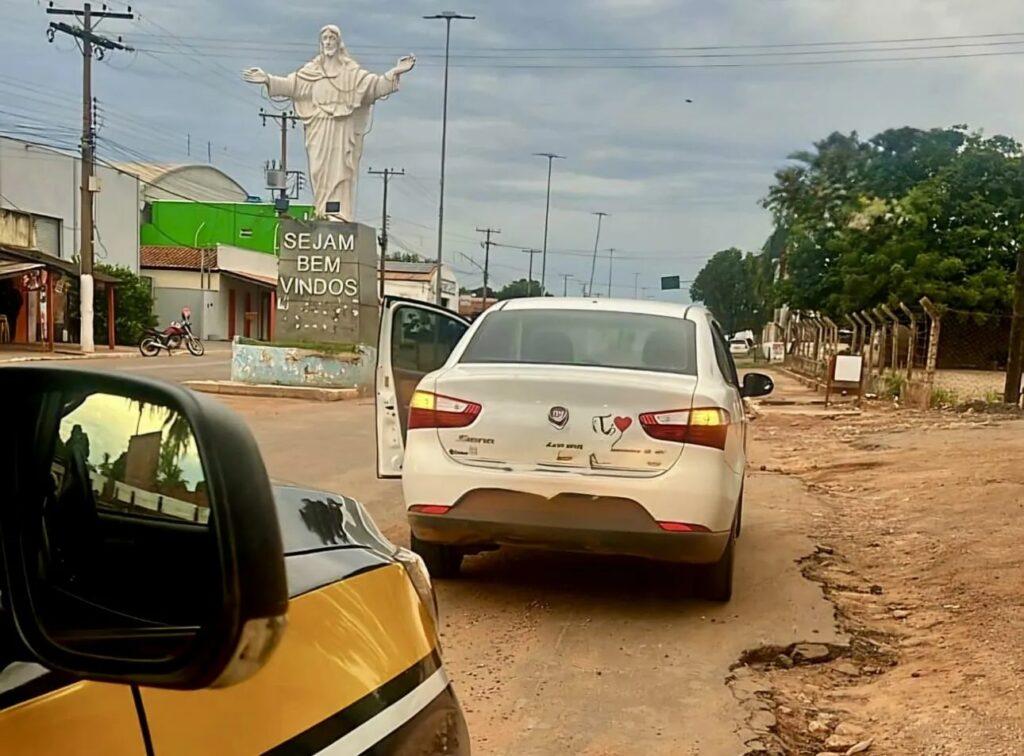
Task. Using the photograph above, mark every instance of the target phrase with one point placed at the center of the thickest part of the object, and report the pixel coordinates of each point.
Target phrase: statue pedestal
(327, 283)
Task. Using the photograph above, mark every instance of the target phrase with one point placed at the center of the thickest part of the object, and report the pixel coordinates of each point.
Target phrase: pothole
(792, 718)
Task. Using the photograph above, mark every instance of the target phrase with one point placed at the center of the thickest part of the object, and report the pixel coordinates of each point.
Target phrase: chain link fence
(921, 353)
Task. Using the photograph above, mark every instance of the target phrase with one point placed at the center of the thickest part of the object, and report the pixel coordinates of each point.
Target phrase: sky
(678, 156)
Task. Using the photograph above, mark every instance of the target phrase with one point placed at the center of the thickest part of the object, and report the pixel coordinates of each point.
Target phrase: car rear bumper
(603, 525)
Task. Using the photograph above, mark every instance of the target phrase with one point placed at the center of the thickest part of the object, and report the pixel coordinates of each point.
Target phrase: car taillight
(703, 426)
(428, 410)
(432, 509)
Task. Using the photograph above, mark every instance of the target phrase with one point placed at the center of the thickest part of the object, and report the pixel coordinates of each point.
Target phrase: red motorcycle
(172, 337)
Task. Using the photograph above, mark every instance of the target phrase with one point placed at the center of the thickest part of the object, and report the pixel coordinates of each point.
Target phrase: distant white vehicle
(741, 346)
(571, 424)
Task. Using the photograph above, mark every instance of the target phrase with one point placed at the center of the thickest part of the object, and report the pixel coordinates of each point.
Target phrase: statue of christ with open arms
(334, 96)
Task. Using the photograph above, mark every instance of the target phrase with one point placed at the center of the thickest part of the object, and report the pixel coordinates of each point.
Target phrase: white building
(196, 182)
(45, 183)
(231, 291)
(418, 280)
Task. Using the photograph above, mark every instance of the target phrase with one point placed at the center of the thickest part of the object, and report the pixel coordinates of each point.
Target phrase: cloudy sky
(604, 82)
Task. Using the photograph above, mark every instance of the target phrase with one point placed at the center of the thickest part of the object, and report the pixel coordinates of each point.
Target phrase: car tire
(442, 560)
(715, 579)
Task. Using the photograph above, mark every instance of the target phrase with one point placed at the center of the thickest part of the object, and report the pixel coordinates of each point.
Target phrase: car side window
(723, 356)
(422, 339)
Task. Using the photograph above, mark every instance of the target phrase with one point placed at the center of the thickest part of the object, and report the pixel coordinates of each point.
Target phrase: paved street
(180, 366)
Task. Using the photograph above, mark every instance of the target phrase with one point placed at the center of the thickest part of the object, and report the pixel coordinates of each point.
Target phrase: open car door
(415, 339)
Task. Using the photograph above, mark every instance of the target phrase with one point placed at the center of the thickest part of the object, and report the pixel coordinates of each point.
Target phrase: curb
(234, 388)
(64, 356)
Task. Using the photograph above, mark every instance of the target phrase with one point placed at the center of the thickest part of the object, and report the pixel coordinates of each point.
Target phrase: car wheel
(442, 560)
(715, 579)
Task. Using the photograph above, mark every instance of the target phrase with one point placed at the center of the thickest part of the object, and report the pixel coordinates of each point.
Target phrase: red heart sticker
(622, 423)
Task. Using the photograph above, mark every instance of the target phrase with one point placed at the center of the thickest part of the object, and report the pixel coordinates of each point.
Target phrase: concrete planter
(288, 366)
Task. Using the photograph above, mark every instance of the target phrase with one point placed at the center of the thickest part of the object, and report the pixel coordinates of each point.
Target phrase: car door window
(421, 340)
(723, 356)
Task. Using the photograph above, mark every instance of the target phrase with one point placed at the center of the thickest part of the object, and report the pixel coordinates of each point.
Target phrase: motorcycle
(171, 338)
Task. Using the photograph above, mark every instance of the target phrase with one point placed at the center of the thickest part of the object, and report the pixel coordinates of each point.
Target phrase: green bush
(133, 307)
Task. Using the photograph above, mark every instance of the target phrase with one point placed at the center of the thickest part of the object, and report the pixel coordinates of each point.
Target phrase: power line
(221, 41)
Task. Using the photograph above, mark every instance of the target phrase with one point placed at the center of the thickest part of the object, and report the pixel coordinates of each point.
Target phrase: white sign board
(848, 368)
(778, 351)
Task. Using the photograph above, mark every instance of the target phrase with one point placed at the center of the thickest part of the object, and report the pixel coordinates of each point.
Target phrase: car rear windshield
(590, 338)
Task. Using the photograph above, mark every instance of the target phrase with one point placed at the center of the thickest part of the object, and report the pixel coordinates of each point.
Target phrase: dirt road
(885, 543)
(557, 653)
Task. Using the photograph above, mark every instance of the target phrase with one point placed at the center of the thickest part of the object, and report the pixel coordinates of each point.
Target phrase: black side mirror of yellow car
(138, 532)
(756, 384)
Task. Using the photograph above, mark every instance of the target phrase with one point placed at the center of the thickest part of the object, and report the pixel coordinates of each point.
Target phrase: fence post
(871, 341)
(884, 341)
(854, 330)
(894, 361)
(933, 340)
(912, 343)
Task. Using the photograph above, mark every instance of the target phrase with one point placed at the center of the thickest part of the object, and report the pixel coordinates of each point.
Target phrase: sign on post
(327, 282)
(845, 373)
(669, 282)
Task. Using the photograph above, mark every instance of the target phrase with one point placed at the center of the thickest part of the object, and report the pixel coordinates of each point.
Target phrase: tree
(520, 288)
(133, 307)
(733, 287)
(404, 257)
(907, 213)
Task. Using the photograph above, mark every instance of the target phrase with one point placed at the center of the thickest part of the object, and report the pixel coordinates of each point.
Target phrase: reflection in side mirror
(123, 546)
(757, 384)
(139, 537)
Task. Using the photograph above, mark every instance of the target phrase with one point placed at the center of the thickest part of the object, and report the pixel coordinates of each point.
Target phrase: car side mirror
(757, 384)
(138, 532)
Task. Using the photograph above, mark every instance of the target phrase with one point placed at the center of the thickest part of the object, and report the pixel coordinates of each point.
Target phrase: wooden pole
(111, 330)
(49, 310)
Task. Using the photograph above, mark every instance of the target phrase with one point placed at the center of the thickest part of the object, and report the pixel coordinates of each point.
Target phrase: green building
(249, 225)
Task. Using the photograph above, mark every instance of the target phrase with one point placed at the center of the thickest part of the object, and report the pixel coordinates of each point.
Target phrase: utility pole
(284, 118)
(90, 44)
(1015, 358)
(547, 214)
(529, 278)
(565, 283)
(448, 17)
(597, 238)
(636, 286)
(611, 255)
(487, 255)
(386, 174)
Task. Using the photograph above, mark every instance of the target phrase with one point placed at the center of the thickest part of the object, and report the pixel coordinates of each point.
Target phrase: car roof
(645, 307)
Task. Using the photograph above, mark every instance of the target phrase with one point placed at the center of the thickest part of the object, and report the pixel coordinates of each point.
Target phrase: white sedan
(591, 425)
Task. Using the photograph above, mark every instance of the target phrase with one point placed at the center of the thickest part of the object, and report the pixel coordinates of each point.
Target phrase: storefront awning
(267, 282)
(42, 260)
(10, 268)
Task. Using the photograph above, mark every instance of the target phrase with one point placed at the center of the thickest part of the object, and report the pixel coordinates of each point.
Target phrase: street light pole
(448, 17)
(593, 265)
(547, 215)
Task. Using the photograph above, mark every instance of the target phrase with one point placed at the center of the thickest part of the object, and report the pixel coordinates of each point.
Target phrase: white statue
(334, 96)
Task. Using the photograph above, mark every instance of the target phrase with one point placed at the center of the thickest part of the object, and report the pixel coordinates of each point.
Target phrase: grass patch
(942, 397)
(319, 347)
(893, 385)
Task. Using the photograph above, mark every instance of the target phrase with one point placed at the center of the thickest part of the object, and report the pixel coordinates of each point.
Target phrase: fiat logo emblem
(558, 417)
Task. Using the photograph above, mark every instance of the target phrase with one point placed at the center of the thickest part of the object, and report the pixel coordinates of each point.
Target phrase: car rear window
(633, 341)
